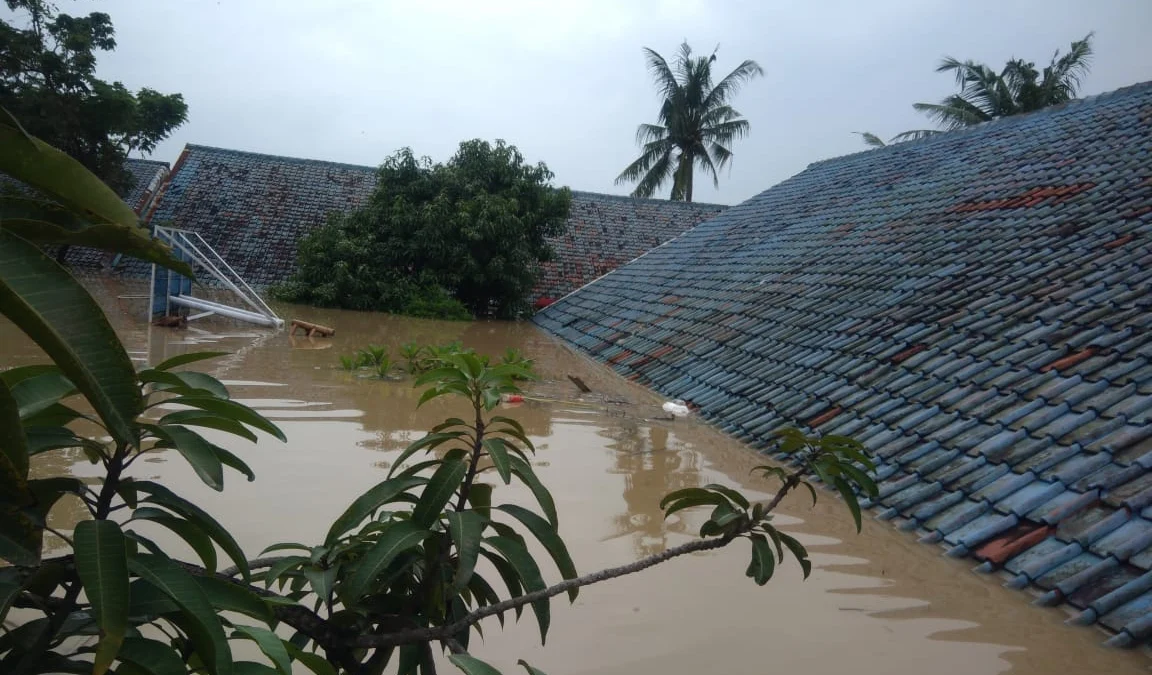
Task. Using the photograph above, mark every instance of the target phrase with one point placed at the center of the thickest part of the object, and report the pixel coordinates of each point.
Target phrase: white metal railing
(197, 251)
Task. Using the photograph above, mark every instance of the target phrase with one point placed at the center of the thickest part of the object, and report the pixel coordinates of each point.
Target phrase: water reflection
(877, 603)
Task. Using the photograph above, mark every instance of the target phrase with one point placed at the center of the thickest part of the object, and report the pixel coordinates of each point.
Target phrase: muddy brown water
(877, 603)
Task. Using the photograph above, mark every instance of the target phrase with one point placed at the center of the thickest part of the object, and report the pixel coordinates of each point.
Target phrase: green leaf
(102, 564)
(270, 644)
(811, 490)
(440, 489)
(507, 574)
(45, 302)
(160, 495)
(763, 563)
(200, 542)
(472, 665)
(253, 668)
(466, 528)
(860, 478)
(378, 495)
(45, 387)
(547, 535)
(396, 539)
(529, 573)
(322, 580)
(707, 499)
(280, 567)
(41, 166)
(229, 597)
(13, 445)
(498, 453)
(732, 495)
(199, 453)
(8, 593)
(314, 662)
(184, 383)
(530, 669)
(152, 656)
(428, 442)
(43, 439)
(233, 462)
(203, 418)
(183, 359)
(148, 602)
(286, 546)
(692, 492)
(232, 410)
(798, 550)
(849, 499)
(201, 622)
(484, 594)
(524, 471)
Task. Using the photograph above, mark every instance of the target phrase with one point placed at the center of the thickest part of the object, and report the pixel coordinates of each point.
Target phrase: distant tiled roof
(975, 308)
(147, 174)
(254, 208)
(605, 232)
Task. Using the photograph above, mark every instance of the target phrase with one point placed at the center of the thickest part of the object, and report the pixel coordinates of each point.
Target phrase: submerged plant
(514, 357)
(349, 362)
(373, 355)
(383, 367)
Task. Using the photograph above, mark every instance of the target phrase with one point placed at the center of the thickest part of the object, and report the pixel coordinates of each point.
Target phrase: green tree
(986, 95)
(696, 124)
(48, 81)
(433, 237)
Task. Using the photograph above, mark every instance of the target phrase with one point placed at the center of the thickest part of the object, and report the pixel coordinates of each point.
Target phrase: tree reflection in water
(653, 463)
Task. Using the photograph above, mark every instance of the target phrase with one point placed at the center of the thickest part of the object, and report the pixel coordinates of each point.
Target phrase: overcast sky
(352, 81)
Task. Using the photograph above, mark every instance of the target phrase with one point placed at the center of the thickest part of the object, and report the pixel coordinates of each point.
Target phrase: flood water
(876, 604)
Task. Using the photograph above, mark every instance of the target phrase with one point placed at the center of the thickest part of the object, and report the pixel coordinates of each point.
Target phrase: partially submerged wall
(975, 308)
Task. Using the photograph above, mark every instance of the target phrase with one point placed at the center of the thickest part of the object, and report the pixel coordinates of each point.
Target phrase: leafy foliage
(986, 95)
(435, 240)
(696, 124)
(48, 80)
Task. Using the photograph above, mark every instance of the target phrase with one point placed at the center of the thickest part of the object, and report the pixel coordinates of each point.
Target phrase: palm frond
(722, 157)
(954, 113)
(726, 88)
(655, 176)
(726, 132)
(648, 158)
(914, 135)
(1065, 75)
(646, 133)
(662, 75)
(871, 139)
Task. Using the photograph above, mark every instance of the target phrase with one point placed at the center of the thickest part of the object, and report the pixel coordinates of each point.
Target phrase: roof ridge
(998, 121)
(283, 158)
(649, 200)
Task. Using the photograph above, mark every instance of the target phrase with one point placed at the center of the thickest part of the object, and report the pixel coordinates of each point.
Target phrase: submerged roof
(975, 308)
(254, 208)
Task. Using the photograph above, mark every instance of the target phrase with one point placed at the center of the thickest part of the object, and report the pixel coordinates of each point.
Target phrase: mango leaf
(322, 580)
(732, 495)
(43, 439)
(148, 602)
(45, 302)
(203, 418)
(102, 564)
(185, 382)
(498, 453)
(314, 662)
(704, 499)
(366, 504)
(200, 542)
(427, 442)
(229, 597)
(198, 452)
(798, 550)
(484, 594)
(524, 471)
(253, 668)
(546, 534)
(41, 166)
(41, 390)
(270, 644)
(508, 574)
(232, 410)
(521, 560)
(398, 538)
(44, 222)
(440, 489)
(162, 496)
(465, 527)
(472, 665)
(152, 656)
(200, 620)
(8, 593)
(183, 359)
(849, 499)
(763, 563)
(860, 478)
(233, 462)
(13, 444)
(530, 669)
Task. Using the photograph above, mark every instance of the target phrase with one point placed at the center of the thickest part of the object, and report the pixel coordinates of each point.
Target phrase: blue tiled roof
(254, 208)
(975, 308)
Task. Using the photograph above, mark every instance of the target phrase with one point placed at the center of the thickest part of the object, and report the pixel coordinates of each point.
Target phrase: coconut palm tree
(987, 95)
(696, 124)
